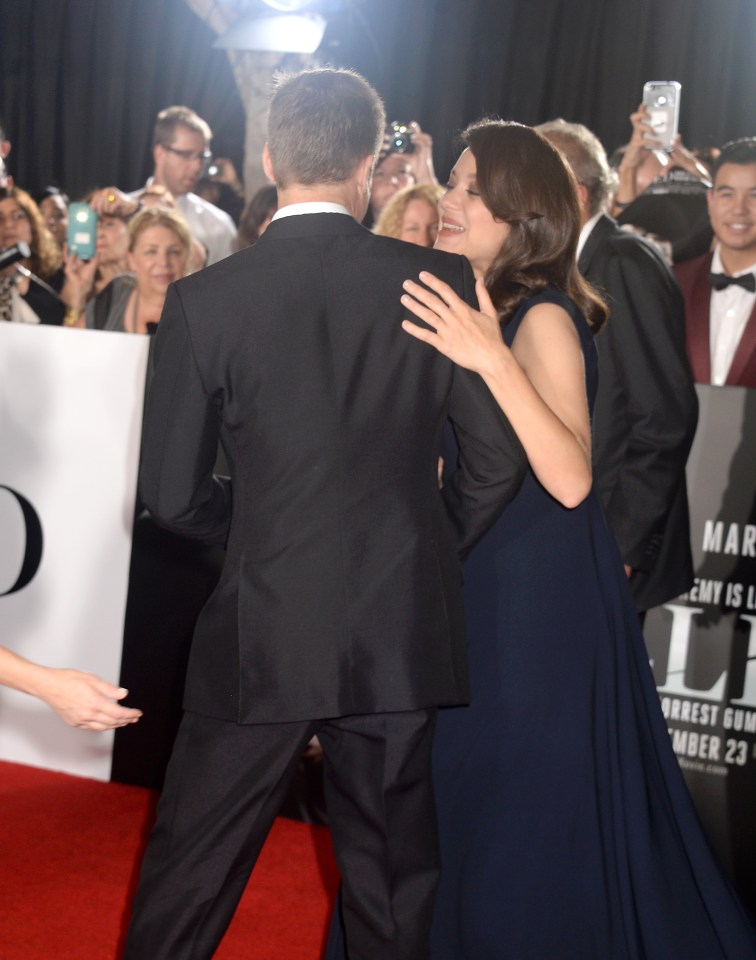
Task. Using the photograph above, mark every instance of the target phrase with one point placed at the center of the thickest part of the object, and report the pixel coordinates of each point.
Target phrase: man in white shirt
(720, 287)
(181, 150)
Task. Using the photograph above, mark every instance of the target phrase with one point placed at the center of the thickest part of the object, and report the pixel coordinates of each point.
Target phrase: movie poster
(702, 646)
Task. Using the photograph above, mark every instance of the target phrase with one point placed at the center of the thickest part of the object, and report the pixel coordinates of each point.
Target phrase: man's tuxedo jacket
(342, 588)
(645, 413)
(693, 277)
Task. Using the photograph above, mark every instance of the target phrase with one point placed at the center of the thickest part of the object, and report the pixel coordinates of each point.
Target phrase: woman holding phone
(159, 245)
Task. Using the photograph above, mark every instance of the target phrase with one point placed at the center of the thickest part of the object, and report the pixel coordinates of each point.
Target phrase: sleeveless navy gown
(566, 828)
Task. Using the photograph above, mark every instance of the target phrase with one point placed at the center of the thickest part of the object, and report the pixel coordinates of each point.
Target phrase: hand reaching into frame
(81, 699)
(86, 701)
(112, 202)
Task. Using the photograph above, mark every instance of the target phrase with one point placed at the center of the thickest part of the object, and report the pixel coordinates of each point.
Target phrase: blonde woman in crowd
(159, 249)
(412, 215)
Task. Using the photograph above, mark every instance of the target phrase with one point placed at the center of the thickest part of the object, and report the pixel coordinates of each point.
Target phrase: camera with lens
(398, 138)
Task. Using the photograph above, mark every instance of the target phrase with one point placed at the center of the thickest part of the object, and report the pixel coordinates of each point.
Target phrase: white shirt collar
(729, 310)
(717, 267)
(312, 206)
(586, 232)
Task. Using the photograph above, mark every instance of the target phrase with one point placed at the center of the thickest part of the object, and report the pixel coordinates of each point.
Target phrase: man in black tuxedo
(339, 611)
(646, 408)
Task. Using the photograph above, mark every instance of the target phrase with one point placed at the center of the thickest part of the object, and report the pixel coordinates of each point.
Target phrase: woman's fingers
(443, 290)
(426, 314)
(484, 300)
(421, 333)
(437, 305)
(425, 296)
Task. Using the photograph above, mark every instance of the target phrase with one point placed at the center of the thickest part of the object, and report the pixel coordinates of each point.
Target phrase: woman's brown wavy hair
(46, 258)
(524, 182)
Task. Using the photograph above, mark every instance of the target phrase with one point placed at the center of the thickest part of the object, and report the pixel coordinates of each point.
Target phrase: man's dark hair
(172, 117)
(742, 151)
(321, 123)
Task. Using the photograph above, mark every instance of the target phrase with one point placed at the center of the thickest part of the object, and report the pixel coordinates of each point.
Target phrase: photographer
(405, 158)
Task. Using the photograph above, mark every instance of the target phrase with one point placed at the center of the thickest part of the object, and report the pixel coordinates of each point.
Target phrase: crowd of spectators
(668, 197)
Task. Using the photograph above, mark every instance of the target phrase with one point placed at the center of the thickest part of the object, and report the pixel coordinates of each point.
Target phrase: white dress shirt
(586, 232)
(728, 315)
(210, 225)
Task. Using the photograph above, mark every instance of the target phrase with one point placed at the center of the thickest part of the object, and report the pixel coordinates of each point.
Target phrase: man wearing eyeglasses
(181, 150)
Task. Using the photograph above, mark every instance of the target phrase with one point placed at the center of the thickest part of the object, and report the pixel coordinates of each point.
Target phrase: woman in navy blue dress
(566, 829)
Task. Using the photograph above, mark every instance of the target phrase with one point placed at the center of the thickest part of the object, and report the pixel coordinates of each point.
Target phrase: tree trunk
(253, 72)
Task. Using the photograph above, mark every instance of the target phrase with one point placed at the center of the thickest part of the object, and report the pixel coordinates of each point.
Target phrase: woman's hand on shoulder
(469, 337)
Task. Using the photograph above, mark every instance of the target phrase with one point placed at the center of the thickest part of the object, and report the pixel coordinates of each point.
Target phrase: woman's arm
(539, 384)
(77, 289)
(81, 699)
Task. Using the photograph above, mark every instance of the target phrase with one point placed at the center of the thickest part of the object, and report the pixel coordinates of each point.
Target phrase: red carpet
(69, 855)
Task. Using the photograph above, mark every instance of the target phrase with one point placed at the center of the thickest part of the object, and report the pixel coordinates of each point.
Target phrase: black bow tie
(720, 280)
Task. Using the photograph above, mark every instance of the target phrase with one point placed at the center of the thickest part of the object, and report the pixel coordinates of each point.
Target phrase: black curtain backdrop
(82, 80)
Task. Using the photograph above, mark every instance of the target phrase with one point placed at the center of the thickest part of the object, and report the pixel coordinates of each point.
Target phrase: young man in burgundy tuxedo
(339, 610)
(720, 287)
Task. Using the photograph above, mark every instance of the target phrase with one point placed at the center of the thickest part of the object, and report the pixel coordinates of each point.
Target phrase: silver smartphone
(662, 100)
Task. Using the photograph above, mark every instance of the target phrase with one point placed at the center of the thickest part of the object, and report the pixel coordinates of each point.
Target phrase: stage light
(288, 6)
(287, 33)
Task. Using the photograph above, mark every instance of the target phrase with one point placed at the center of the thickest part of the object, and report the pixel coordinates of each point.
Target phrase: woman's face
(112, 241)
(15, 226)
(420, 223)
(157, 259)
(466, 225)
(55, 214)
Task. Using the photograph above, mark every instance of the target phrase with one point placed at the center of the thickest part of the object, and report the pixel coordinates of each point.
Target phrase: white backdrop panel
(70, 423)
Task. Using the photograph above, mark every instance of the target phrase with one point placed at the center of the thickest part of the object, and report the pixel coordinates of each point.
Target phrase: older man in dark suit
(339, 611)
(720, 287)
(646, 407)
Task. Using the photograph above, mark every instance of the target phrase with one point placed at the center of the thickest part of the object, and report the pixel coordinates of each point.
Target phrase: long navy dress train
(566, 828)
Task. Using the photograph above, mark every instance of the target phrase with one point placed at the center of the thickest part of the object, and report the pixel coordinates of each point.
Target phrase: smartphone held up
(661, 98)
(82, 230)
